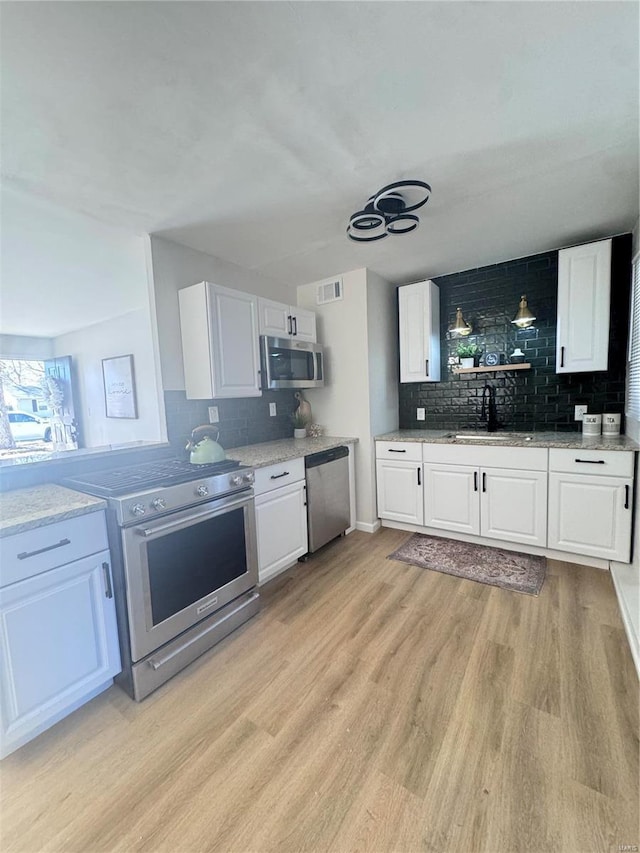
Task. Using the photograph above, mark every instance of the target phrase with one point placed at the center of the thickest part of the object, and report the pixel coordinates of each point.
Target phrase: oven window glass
(290, 364)
(191, 563)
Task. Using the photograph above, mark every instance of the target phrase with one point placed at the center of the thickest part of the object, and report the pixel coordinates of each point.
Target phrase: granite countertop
(560, 440)
(26, 509)
(273, 452)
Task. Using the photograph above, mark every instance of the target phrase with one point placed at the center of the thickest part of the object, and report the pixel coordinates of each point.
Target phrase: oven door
(290, 364)
(184, 566)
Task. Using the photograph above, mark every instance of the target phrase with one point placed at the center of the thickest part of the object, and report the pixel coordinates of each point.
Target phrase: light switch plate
(420, 415)
(272, 410)
(213, 415)
(579, 411)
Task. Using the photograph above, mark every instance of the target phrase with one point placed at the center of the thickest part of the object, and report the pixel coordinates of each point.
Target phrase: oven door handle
(186, 521)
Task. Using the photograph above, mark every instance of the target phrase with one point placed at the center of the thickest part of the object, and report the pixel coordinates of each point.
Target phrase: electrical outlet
(272, 410)
(213, 415)
(420, 416)
(579, 411)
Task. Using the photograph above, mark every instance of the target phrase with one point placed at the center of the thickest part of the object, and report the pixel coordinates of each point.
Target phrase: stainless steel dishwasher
(328, 504)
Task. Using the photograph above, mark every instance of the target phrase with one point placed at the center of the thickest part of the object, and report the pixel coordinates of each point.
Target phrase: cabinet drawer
(607, 463)
(519, 458)
(403, 451)
(276, 476)
(34, 551)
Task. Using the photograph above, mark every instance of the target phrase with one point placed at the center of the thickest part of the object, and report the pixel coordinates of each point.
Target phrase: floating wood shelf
(499, 368)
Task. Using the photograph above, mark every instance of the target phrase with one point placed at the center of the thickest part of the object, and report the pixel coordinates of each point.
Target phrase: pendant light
(460, 327)
(524, 319)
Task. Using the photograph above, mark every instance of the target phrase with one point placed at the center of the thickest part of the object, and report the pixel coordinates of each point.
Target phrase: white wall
(129, 334)
(360, 397)
(25, 347)
(74, 286)
(174, 267)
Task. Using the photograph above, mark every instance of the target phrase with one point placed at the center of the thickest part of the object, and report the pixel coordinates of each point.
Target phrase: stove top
(147, 475)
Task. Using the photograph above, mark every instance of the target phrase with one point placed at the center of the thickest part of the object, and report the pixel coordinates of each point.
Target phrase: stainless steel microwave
(287, 363)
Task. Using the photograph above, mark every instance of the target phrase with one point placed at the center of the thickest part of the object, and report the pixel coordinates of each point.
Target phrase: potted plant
(299, 425)
(468, 354)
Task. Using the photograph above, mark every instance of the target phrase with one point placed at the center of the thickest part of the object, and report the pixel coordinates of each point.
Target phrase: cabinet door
(591, 515)
(513, 505)
(399, 488)
(234, 342)
(304, 324)
(274, 318)
(419, 326)
(584, 284)
(451, 497)
(58, 646)
(281, 527)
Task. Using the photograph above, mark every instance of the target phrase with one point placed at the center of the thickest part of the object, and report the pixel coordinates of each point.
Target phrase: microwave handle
(315, 366)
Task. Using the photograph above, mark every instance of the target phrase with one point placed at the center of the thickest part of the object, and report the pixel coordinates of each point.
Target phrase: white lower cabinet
(58, 645)
(451, 497)
(497, 503)
(590, 515)
(399, 489)
(281, 517)
(513, 505)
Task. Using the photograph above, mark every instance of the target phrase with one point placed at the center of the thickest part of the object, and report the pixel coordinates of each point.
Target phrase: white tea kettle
(204, 446)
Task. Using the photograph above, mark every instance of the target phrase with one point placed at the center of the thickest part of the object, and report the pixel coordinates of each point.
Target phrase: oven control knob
(235, 480)
(159, 503)
(202, 491)
(137, 509)
(248, 477)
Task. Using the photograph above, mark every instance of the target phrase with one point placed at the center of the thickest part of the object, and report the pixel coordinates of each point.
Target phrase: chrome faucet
(489, 412)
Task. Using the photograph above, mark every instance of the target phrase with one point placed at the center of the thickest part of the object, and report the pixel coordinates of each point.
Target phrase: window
(633, 371)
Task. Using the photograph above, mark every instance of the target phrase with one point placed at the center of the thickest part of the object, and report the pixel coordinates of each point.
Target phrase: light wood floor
(371, 706)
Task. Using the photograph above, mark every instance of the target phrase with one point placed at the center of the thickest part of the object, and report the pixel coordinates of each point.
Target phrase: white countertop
(568, 440)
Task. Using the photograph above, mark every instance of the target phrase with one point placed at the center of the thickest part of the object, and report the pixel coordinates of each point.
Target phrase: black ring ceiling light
(389, 211)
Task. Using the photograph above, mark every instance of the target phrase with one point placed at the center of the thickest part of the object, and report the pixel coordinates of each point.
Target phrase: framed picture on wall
(119, 387)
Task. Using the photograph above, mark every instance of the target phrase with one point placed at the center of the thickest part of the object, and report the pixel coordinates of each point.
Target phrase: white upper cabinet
(219, 342)
(419, 326)
(286, 321)
(584, 287)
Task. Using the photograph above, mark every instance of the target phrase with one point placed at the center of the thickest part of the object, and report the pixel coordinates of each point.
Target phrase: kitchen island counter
(559, 440)
(27, 509)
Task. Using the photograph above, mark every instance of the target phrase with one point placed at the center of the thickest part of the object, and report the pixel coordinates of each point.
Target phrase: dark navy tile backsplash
(536, 399)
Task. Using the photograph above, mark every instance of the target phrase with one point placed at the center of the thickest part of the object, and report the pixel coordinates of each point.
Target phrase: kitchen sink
(489, 436)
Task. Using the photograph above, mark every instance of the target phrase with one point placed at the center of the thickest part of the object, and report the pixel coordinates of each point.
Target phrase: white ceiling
(252, 130)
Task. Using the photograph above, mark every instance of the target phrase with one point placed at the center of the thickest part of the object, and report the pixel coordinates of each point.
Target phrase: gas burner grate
(165, 472)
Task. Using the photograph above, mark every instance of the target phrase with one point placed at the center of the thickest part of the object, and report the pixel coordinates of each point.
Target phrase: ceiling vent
(329, 291)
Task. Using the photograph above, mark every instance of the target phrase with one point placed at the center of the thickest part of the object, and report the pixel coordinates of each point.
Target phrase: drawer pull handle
(24, 554)
(107, 581)
(391, 450)
(591, 461)
(277, 476)
(626, 497)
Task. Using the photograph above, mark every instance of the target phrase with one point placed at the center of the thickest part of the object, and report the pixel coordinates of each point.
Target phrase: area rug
(506, 569)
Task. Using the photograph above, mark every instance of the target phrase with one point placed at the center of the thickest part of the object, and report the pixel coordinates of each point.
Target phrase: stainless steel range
(185, 561)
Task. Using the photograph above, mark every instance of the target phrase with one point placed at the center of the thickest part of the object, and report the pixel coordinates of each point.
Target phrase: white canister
(591, 424)
(611, 423)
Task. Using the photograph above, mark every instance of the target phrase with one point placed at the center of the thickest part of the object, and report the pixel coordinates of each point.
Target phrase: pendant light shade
(524, 319)
(460, 327)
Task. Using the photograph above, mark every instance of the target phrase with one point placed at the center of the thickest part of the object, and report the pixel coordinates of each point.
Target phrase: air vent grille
(329, 291)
